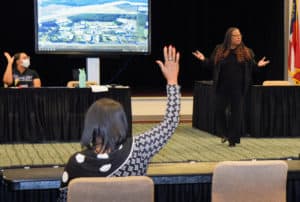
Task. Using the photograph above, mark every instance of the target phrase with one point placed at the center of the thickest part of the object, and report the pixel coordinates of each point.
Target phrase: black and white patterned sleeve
(153, 140)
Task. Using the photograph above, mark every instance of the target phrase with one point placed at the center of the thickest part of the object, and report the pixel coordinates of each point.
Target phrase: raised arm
(170, 68)
(257, 67)
(199, 55)
(206, 62)
(8, 74)
(263, 62)
(153, 140)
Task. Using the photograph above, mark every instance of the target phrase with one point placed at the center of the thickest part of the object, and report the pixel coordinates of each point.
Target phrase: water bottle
(82, 78)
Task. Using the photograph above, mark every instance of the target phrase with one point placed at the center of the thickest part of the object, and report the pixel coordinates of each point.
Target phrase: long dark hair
(243, 53)
(105, 125)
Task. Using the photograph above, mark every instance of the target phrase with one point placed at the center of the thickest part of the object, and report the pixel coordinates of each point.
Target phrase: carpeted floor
(187, 144)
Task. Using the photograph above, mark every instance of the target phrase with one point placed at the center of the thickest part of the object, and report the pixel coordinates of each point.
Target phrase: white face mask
(26, 63)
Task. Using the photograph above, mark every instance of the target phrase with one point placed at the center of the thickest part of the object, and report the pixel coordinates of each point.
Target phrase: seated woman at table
(108, 151)
(18, 74)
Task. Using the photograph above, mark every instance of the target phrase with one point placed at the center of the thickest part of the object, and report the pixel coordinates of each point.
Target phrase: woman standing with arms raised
(233, 64)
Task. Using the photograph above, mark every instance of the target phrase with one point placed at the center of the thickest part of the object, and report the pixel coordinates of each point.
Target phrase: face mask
(26, 63)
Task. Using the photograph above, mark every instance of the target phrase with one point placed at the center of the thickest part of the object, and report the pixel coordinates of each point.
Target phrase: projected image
(92, 26)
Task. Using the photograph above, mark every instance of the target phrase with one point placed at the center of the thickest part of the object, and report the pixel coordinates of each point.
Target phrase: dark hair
(16, 57)
(106, 124)
(227, 37)
(243, 53)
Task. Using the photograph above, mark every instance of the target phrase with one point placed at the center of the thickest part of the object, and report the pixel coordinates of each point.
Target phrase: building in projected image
(92, 26)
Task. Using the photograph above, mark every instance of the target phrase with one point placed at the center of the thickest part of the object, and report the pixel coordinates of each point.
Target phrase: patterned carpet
(187, 144)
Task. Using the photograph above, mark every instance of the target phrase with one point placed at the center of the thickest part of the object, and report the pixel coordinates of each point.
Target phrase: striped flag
(294, 43)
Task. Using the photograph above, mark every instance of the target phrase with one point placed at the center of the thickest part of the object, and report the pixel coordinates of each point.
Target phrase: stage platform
(182, 171)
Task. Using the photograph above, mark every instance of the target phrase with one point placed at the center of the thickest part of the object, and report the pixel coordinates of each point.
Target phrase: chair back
(108, 189)
(249, 181)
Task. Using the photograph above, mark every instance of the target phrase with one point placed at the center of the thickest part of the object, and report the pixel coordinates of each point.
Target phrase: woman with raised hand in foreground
(108, 151)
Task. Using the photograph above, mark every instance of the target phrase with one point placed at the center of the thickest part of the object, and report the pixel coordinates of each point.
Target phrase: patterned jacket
(133, 157)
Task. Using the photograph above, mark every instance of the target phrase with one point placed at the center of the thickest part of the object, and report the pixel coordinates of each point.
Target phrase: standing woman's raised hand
(263, 62)
(170, 67)
(198, 55)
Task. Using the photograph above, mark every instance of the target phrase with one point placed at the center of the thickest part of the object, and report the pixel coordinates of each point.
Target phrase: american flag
(294, 43)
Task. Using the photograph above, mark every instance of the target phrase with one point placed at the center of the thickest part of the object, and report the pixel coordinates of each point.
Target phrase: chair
(107, 189)
(74, 84)
(276, 83)
(245, 181)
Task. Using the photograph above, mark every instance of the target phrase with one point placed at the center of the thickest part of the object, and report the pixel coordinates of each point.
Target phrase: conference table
(52, 113)
(270, 111)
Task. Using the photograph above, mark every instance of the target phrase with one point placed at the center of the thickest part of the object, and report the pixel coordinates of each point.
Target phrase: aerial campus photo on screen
(92, 25)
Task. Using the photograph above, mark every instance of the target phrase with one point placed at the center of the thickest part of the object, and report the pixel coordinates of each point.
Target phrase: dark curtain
(203, 107)
(293, 187)
(189, 25)
(183, 192)
(270, 111)
(200, 192)
(50, 114)
(274, 111)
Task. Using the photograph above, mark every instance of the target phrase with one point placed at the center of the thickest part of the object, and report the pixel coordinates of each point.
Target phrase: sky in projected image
(92, 25)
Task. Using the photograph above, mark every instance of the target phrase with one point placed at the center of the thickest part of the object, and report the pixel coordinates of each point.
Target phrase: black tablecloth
(50, 114)
(182, 191)
(270, 111)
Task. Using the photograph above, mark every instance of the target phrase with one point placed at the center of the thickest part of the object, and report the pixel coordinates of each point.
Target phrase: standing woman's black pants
(229, 115)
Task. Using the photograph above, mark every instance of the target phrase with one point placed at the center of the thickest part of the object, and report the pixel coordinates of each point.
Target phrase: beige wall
(153, 108)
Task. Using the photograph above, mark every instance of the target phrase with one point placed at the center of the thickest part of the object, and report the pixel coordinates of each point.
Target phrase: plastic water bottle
(82, 78)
